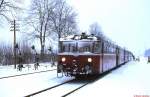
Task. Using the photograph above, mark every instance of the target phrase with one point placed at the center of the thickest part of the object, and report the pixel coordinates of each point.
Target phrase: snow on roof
(79, 37)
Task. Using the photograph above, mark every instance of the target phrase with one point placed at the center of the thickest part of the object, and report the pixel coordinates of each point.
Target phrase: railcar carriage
(82, 55)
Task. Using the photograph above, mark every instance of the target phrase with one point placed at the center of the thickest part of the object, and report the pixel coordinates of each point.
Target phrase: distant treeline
(27, 54)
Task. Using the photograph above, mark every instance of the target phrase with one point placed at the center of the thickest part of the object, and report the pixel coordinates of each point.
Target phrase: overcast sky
(124, 21)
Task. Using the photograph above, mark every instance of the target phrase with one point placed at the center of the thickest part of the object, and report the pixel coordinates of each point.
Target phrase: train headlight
(63, 59)
(89, 59)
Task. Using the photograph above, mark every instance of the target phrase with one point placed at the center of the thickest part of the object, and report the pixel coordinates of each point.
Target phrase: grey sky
(124, 21)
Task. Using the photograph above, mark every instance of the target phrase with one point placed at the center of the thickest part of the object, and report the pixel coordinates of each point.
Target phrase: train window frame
(68, 47)
(80, 46)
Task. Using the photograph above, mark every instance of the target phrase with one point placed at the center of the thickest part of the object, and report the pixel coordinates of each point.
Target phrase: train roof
(88, 38)
(79, 38)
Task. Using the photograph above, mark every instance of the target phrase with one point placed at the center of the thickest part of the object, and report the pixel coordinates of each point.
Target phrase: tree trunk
(42, 51)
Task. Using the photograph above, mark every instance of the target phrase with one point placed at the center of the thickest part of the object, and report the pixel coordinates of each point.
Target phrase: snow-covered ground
(24, 85)
(61, 90)
(28, 68)
(130, 80)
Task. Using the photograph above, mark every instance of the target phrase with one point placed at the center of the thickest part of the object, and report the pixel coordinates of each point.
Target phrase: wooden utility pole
(13, 28)
(15, 42)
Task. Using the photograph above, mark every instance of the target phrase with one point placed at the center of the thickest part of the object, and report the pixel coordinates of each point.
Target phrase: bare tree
(1, 55)
(8, 8)
(96, 29)
(26, 51)
(38, 19)
(63, 18)
(48, 16)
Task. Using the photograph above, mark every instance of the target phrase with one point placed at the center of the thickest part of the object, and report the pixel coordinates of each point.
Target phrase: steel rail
(38, 92)
(27, 74)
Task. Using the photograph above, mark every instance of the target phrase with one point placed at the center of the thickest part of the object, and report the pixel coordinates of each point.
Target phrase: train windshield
(80, 46)
(85, 46)
(68, 46)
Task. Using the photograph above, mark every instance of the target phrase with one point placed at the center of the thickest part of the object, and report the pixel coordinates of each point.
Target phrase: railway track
(38, 92)
(67, 87)
(26, 74)
(75, 89)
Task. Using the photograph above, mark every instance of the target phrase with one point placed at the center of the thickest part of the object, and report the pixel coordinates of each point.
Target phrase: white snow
(60, 91)
(127, 81)
(131, 80)
(28, 68)
(78, 37)
(24, 85)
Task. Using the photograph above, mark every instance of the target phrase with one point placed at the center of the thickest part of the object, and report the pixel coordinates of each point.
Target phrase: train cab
(79, 55)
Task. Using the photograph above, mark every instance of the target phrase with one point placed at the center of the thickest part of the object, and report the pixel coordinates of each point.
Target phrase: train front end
(78, 57)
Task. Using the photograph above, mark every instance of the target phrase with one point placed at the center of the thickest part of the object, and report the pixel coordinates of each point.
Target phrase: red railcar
(89, 56)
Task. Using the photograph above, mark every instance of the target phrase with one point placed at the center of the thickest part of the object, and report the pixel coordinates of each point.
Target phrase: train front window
(85, 46)
(80, 46)
(68, 46)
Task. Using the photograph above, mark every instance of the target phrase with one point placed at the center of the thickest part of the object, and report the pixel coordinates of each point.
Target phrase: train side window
(112, 49)
(106, 47)
(97, 47)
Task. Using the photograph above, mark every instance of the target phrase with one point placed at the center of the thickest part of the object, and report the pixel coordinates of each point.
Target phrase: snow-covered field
(23, 85)
(130, 80)
(28, 68)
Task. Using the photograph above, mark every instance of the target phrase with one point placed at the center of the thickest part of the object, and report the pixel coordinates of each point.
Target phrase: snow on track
(62, 90)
